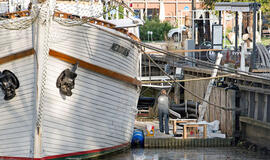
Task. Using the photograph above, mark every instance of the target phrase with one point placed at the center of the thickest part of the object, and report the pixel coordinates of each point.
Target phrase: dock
(161, 140)
(175, 142)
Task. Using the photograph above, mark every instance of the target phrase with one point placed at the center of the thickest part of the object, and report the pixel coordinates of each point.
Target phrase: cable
(189, 59)
(186, 58)
(208, 64)
(138, 43)
(224, 108)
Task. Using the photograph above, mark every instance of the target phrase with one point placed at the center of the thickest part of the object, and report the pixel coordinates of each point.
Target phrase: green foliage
(265, 4)
(158, 28)
(120, 12)
(266, 41)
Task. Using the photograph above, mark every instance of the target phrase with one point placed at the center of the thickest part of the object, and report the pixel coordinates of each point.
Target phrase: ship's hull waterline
(41, 122)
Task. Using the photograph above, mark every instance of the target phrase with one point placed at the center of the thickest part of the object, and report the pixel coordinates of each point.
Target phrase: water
(232, 153)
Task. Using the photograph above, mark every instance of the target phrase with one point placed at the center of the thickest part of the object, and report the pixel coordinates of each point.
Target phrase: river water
(232, 153)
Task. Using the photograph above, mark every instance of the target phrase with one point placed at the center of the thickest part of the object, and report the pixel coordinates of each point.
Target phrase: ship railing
(16, 14)
(97, 22)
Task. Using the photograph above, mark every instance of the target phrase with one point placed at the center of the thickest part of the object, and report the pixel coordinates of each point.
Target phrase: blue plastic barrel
(137, 138)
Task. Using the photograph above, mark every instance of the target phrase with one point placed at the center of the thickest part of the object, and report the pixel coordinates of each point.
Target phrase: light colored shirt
(163, 103)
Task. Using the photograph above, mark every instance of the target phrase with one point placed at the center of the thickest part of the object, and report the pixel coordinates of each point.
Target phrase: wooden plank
(200, 89)
(242, 77)
(16, 56)
(190, 87)
(208, 108)
(260, 112)
(252, 104)
(174, 127)
(95, 68)
(220, 110)
(215, 93)
(194, 90)
(248, 102)
(228, 115)
(187, 86)
(254, 122)
(205, 131)
(186, 51)
(217, 101)
(256, 106)
(243, 102)
(261, 70)
(268, 109)
(211, 107)
(231, 114)
(223, 112)
(265, 108)
(184, 132)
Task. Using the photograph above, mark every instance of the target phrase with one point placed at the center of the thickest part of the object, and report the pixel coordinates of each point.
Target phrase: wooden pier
(175, 142)
(161, 140)
(250, 119)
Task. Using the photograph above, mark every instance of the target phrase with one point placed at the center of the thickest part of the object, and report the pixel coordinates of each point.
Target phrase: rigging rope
(22, 22)
(137, 43)
(186, 58)
(43, 50)
(176, 82)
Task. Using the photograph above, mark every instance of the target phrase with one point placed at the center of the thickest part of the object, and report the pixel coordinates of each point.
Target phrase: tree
(159, 29)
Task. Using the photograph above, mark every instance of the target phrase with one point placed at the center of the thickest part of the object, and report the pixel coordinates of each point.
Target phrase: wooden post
(243, 103)
(265, 108)
(174, 127)
(230, 119)
(256, 106)
(184, 131)
(205, 131)
(248, 103)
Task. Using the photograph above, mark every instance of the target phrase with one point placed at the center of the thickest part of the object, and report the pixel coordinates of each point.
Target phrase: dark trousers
(163, 115)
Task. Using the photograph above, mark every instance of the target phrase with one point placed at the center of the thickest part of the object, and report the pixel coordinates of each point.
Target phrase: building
(168, 10)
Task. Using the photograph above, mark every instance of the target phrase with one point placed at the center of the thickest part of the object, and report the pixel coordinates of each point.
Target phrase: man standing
(163, 111)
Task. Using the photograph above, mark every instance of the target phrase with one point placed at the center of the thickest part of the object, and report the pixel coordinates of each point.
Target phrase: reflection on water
(232, 153)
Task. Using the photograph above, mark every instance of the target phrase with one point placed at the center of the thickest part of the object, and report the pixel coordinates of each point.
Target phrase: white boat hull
(97, 118)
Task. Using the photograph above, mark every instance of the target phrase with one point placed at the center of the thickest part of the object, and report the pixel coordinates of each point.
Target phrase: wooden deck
(172, 142)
